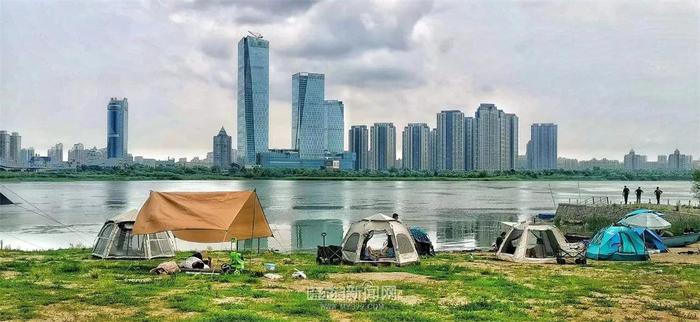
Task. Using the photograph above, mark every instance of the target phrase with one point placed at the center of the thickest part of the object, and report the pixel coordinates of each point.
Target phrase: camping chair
(328, 255)
(575, 252)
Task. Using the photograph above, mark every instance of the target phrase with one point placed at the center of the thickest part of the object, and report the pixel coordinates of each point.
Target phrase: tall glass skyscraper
(415, 150)
(335, 126)
(450, 140)
(383, 147)
(542, 148)
(309, 135)
(358, 141)
(222, 150)
(253, 97)
(117, 128)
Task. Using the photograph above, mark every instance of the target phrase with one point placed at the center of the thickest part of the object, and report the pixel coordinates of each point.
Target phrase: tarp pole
(252, 232)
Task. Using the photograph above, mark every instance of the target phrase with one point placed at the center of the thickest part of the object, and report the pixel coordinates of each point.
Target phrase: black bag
(329, 255)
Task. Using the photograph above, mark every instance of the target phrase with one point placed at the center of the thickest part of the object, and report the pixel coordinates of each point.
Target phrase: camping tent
(651, 239)
(355, 244)
(116, 239)
(205, 217)
(617, 243)
(4, 200)
(532, 243)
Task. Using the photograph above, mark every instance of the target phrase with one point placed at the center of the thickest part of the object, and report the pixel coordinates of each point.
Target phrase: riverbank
(70, 285)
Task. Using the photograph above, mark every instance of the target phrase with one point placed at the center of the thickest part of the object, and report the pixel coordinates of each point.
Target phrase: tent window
(512, 241)
(541, 244)
(351, 243)
(627, 245)
(404, 243)
(103, 239)
(378, 244)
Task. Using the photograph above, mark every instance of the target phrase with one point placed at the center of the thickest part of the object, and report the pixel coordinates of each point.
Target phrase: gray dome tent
(116, 240)
(360, 233)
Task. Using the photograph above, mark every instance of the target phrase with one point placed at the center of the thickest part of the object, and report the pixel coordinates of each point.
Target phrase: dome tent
(618, 243)
(532, 243)
(116, 240)
(360, 233)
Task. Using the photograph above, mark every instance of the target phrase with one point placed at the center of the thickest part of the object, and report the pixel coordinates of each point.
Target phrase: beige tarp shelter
(355, 248)
(532, 243)
(205, 217)
(117, 240)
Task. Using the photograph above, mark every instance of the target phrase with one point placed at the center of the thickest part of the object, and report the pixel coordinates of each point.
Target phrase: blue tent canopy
(617, 243)
(651, 239)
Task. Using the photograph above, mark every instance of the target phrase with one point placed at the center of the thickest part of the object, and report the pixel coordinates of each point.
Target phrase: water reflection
(307, 234)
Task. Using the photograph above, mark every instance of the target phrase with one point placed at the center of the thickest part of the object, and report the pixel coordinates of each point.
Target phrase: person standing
(639, 194)
(626, 193)
(658, 193)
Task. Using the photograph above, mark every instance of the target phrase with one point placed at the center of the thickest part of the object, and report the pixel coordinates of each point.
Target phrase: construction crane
(255, 34)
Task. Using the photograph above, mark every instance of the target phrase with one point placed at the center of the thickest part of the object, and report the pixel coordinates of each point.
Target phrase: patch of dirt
(381, 277)
(296, 285)
(81, 312)
(341, 316)
(673, 255)
(8, 275)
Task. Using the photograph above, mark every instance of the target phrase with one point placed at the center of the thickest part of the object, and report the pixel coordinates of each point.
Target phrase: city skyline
(372, 78)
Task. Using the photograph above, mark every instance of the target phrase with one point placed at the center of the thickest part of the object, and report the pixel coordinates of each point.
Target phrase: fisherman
(658, 193)
(625, 193)
(639, 194)
(395, 216)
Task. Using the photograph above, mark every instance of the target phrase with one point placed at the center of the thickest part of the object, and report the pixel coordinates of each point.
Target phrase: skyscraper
(117, 128)
(78, 154)
(55, 153)
(4, 147)
(468, 143)
(432, 150)
(450, 140)
(309, 134)
(253, 97)
(222, 150)
(383, 146)
(495, 140)
(335, 125)
(634, 161)
(15, 148)
(415, 150)
(358, 141)
(542, 148)
(678, 161)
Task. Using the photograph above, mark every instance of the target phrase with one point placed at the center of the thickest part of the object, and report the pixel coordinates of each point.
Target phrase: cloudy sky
(614, 75)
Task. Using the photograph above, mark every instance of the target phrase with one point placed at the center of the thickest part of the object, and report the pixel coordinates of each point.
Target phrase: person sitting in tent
(388, 250)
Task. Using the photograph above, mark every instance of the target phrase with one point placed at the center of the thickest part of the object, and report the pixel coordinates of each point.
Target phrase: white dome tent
(117, 241)
(532, 243)
(360, 233)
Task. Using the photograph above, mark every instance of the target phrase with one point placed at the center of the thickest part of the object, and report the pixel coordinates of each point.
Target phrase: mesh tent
(117, 240)
(355, 244)
(529, 243)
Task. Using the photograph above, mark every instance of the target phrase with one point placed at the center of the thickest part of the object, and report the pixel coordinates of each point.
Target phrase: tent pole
(252, 231)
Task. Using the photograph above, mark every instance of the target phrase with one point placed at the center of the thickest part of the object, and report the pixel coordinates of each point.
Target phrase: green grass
(447, 287)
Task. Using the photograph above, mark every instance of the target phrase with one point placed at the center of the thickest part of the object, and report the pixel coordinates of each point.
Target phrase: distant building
(432, 150)
(253, 97)
(291, 159)
(358, 141)
(77, 155)
(634, 161)
(15, 148)
(415, 148)
(25, 156)
(542, 148)
(567, 164)
(469, 143)
(521, 162)
(309, 135)
(661, 161)
(383, 146)
(335, 126)
(222, 150)
(117, 128)
(495, 138)
(4, 147)
(600, 164)
(678, 161)
(450, 140)
(55, 154)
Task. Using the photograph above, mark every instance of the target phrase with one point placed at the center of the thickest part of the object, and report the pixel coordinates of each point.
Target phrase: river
(456, 214)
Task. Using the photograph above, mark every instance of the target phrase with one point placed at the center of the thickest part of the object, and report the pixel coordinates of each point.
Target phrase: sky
(614, 75)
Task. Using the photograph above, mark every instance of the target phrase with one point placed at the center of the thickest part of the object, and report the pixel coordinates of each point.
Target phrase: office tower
(678, 161)
(358, 141)
(55, 153)
(432, 150)
(415, 151)
(495, 139)
(253, 97)
(77, 154)
(634, 161)
(468, 143)
(542, 148)
(4, 147)
(661, 162)
(450, 140)
(117, 128)
(309, 135)
(335, 126)
(15, 148)
(222, 150)
(26, 156)
(383, 146)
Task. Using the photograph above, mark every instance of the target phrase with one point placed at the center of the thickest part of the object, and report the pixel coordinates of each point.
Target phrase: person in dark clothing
(499, 240)
(395, 216)
(639, 194)
(625, 193)
(658, 193)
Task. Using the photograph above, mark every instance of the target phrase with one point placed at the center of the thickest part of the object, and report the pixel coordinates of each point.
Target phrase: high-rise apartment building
(335, 126)
(55, 153)
(4, 147)
(383, 146)
(77, 155)
(309, 132)
(253, 97)
(542, 148)
(468, 143)
(15, 148)
(634, 161)
(450, 140)
(222, 150)
(415, 149)
(358, 143)
(678, 161)
(117, 128)
(495, 139)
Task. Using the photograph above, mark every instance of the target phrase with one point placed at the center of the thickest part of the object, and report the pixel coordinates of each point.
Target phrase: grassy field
(70, 285)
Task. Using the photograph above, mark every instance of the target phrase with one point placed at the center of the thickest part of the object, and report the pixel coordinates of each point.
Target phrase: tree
(696, 183)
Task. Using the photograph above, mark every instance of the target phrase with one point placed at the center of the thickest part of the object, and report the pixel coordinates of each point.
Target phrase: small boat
(681, 240)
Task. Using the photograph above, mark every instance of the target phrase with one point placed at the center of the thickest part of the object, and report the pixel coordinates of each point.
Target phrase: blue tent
(651, 239)
(617, 243)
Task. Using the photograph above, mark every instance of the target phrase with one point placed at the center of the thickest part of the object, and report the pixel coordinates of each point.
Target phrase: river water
(457, 215)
